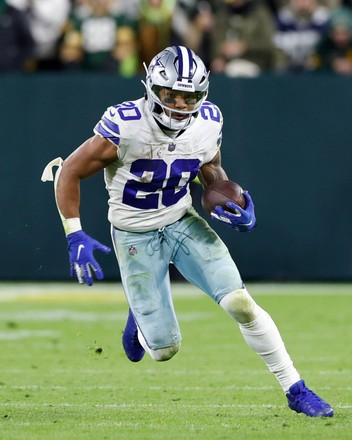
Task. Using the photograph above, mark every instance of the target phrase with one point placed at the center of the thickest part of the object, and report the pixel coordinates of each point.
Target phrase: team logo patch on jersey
(132, 251)
(171, 147)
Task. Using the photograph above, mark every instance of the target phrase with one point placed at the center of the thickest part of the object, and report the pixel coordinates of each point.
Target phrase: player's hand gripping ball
(219, 193)
(225, 201)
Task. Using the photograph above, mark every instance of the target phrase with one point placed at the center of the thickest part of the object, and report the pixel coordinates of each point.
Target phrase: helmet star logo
(157, 63)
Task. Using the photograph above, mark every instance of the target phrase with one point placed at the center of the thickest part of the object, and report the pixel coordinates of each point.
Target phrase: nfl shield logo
(171, 146)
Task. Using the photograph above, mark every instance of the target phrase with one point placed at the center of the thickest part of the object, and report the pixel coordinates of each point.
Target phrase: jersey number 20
(146, 195)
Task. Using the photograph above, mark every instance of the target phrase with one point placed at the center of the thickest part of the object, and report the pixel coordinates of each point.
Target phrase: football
(219, 193)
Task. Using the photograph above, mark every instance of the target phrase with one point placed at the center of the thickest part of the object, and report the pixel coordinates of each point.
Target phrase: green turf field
(63, 373)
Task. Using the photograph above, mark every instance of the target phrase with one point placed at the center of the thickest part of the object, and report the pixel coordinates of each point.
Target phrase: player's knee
(164, 354)
(240, 306)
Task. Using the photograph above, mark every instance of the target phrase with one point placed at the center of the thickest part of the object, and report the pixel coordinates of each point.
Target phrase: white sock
(143, 342)
(264, 338)
(162, 354)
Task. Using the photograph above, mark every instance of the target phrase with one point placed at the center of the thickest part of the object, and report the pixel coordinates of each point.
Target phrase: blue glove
(242, 220)
(82, 261)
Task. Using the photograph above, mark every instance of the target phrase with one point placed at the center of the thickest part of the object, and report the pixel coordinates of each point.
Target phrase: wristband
(71, 225)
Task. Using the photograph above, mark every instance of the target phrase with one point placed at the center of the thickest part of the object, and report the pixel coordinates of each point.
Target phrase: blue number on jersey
(208, 110)
(128, 111)
(159, 185)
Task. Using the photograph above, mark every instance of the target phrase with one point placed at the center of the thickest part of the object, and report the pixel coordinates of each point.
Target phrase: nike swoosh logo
(80, 248)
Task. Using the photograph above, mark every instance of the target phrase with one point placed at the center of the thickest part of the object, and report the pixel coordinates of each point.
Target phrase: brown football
(219, 193)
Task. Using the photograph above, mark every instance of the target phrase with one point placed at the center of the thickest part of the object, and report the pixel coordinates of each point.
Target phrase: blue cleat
(303, 400)
(133, 349)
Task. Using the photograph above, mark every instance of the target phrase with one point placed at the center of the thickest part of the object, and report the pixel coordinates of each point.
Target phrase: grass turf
(63, 373)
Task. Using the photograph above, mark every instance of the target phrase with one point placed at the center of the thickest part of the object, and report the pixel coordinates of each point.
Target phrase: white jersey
(148, 184)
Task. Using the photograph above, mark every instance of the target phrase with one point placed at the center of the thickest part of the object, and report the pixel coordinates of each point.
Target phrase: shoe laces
(310, 397)
(307, 396)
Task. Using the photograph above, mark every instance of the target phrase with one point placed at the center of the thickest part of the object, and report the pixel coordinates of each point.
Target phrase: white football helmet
(176, 68)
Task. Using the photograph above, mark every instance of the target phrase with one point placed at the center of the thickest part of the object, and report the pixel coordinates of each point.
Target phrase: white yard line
(56, 315)
(146, 405)
(157, 388)
(113, 292)
(15, 335)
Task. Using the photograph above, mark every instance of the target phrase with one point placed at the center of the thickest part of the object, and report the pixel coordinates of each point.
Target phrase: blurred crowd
(237, 38)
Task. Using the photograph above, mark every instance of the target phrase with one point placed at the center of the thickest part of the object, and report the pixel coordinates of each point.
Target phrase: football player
(150, 150)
